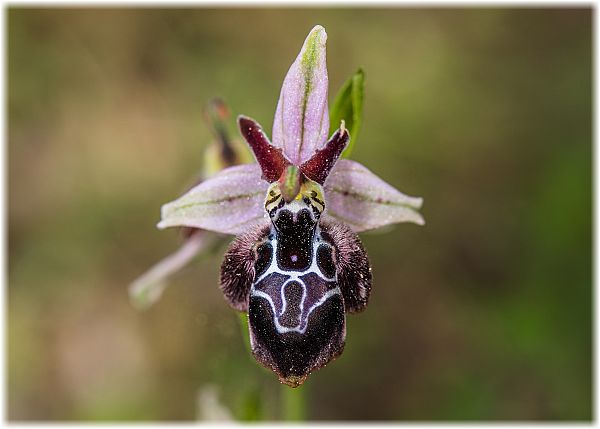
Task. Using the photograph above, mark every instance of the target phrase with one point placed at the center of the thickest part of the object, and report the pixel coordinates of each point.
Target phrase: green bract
(348, 107)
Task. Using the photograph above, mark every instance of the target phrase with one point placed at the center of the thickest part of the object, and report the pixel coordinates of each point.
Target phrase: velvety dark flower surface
(297, 266)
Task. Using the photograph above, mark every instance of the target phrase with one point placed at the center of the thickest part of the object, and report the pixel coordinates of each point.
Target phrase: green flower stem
(243, 318)
(293, 404)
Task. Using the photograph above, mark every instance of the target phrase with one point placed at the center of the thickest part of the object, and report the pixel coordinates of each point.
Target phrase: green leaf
(347, 106)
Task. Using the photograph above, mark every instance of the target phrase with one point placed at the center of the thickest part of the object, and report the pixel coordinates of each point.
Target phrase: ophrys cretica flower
(296, 266)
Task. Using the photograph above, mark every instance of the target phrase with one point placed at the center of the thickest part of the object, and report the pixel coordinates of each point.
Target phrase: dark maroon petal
(319, 166)
(271, 159)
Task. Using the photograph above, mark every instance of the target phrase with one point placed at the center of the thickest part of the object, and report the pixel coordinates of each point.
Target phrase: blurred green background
(483, 314)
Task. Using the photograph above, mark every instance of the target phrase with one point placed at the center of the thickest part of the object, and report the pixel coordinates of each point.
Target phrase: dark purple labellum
(296, 278)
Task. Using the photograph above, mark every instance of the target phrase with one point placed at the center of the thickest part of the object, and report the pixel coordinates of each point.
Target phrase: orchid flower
(296, 266)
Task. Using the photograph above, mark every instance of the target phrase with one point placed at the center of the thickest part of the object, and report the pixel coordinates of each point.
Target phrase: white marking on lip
(314, 268)
(301, 328)
(295, 276)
